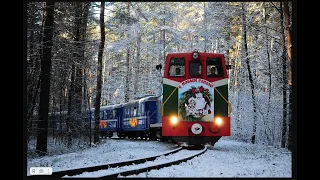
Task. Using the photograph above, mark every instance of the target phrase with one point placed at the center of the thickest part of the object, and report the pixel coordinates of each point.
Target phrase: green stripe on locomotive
(220, 105)
(171, 106)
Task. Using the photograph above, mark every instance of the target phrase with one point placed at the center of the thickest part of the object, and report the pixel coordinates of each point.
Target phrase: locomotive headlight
(218, 121)
(195, 55)
(173, 120)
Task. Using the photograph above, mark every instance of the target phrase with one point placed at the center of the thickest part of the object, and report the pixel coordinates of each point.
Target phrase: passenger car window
(142, 109)
(133, 111)
(115, 114)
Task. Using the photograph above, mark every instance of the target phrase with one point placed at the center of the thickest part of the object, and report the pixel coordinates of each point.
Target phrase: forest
(82, 55)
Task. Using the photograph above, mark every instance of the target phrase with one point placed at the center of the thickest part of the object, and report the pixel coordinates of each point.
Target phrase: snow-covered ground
(110, 150)
(231, 159)
(227, 158)
(157, 161)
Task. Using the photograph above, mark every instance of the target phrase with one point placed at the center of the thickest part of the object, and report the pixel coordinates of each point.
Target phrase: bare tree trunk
(290, 120)
(70, 116)
(288, 46)
(83, 37)
(234, 72)
(205, 26)
(78, 59)
(72, 91)
(288, 38)
(60, 108)
(137, 64)
(127, 88)
(89, 107)
(285, 84)
(41, 147)
(164, 39)
(31, 73)
(99, 76)
(81, 16)
(34, 69)
(253, 137)
(269, 66)
(33, 105)
(159, 77)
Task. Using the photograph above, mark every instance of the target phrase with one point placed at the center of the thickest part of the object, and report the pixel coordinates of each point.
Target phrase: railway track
(72, 172)
(135, 167)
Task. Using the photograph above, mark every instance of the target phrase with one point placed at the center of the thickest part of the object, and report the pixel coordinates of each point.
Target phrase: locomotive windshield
(176, 67)
(195, 69)
(214, 67)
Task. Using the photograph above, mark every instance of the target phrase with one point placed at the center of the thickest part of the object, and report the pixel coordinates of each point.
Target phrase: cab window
(195, 69)
(214, 67)
(176, 67)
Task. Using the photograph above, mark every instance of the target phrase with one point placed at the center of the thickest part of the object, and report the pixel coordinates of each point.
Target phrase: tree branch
(276, 7)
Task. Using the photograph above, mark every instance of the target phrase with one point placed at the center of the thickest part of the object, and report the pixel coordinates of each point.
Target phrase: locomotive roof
(190, 52)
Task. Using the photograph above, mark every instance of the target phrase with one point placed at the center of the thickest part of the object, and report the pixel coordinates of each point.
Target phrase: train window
(214, 67)
(105, 115)
(195, 69)
(176, 67)
(115, 114)
(142, 109)
(128, 112)
(108, 114)
(124, 112)
(101, 115)
(111, 114)
(212, 71)
(134, 111)
(138, 110)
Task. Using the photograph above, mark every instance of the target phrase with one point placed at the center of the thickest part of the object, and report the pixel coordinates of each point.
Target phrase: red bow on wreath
(197, 90)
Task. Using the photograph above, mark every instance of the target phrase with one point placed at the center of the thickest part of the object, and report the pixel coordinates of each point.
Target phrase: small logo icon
(40, 170)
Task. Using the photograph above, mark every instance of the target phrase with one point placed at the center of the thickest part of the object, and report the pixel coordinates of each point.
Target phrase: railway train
(193, 109)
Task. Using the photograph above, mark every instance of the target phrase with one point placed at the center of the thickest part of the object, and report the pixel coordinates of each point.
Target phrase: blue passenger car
(109, 122)
(109, 119)
(137, 117)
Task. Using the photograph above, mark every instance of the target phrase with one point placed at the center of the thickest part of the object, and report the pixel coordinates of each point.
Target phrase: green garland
(184, 100)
